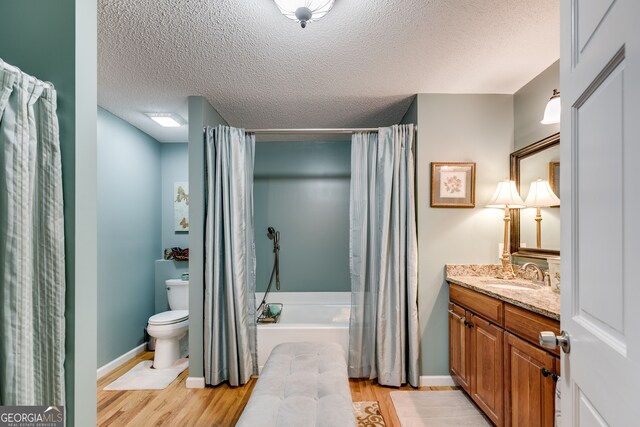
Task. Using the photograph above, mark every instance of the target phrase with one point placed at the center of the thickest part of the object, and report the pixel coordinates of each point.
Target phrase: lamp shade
(304, 11)
(541, 195)
(552, 111)
(506, 195)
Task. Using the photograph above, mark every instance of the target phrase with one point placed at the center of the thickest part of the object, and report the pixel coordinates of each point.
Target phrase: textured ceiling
(358, 66)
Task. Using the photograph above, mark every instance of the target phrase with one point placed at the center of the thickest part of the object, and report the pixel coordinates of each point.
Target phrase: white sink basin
(510, 286)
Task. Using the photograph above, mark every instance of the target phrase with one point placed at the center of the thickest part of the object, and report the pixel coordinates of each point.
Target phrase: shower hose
(275, 271)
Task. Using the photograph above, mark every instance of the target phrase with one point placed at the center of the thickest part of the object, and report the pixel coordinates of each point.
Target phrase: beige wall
(456, 128)
(528, 107)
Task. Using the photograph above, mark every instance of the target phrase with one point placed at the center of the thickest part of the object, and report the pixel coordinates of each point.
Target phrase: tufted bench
(302, 385)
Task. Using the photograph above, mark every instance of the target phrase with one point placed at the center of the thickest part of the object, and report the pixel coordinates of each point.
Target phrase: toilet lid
(169, 317)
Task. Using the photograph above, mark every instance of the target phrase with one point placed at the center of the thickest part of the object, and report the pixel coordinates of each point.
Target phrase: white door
(600, 184)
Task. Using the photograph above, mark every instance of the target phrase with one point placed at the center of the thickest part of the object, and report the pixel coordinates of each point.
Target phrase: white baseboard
(195, 382)
(120, 360)
(436, 380)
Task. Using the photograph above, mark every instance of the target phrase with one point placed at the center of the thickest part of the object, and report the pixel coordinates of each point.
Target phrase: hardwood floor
(178, 406)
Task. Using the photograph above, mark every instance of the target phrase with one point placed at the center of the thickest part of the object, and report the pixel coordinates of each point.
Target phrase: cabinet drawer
(487, 307)
(528, 325)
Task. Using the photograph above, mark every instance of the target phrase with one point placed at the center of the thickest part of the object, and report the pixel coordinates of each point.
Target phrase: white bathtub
(306, 316)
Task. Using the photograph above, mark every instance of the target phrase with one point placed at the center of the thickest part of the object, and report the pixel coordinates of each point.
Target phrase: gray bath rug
(144, 377)
(436, 409)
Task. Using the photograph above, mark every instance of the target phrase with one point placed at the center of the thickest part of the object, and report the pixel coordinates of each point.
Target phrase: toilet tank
(178, 294)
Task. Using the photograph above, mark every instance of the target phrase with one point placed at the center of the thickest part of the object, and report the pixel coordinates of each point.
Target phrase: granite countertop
(539, 299)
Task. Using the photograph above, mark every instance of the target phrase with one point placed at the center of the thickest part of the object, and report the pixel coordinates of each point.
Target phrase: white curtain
(32, 272)
(383, 330)
(230, 262)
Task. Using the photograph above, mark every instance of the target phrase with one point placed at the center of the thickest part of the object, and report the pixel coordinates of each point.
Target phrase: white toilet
(170, 328)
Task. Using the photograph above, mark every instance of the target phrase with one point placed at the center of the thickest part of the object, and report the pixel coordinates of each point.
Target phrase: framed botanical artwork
(453, 185)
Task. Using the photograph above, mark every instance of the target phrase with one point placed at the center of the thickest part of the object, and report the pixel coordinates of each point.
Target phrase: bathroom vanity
(494, 354)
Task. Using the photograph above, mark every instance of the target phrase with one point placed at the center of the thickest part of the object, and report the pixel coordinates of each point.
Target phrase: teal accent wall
(56, 41)
(174, 158)
(129, 221)
(302, 190)
(201, 114)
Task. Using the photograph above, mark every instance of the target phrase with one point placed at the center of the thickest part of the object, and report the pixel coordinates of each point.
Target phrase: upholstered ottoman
(301, 385)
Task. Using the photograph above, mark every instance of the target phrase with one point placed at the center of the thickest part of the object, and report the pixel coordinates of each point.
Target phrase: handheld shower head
(271, 233)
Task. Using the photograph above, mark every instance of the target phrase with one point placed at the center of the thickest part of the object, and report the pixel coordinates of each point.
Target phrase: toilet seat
(169, 317)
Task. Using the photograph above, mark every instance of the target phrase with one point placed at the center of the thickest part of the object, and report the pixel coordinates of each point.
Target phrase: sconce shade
(541, 195)
(506, 195)
(552, 111)
(304, 11)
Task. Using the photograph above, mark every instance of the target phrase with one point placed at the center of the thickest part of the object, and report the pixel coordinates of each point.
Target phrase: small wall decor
(453, 185)
(181, 206)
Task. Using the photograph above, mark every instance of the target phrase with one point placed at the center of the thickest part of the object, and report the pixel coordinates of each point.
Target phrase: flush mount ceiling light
(552, 112)
(167, 120)
(304, 11)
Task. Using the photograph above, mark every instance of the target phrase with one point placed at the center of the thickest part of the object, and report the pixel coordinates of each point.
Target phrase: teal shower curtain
(383, 329)
(32, 261)
(230, 262)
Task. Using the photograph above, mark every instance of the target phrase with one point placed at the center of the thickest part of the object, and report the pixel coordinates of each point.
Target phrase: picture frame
(181, 206)
(453, 185)
(554, 177)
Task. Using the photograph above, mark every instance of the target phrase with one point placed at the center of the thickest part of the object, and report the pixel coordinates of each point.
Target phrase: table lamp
(506, 197)
(540, 196)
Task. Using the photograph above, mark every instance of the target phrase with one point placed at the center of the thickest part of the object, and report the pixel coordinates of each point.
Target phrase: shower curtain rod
(312, 131)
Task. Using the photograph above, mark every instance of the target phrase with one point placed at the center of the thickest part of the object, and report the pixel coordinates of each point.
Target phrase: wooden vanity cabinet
(487, 360)
(494, 357)
(529, 383)
(459, 347)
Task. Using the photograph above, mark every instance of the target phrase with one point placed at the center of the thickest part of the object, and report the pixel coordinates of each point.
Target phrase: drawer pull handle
(545, 372)
(468, 324)
(457, 316)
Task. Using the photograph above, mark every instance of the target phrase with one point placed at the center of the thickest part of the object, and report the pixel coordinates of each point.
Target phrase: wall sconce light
(506, 197)
(552, 111)
(304, 11)
(540, 196)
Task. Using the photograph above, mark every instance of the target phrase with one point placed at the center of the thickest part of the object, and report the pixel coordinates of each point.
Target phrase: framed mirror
(535, 230)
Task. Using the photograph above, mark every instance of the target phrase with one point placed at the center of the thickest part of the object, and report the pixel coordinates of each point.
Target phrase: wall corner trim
(436, 381)
(195, 382)
(115, 363)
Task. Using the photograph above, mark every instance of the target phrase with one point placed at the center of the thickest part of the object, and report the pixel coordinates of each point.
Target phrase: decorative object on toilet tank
(304, 11)
(179, 254)
(453, 185)
(181, 206)
(506, 197)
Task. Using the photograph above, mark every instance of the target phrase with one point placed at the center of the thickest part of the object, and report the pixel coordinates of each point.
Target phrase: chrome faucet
(542, 277)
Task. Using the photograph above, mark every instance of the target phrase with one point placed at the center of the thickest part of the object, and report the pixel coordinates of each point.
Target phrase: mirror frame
(516, 157)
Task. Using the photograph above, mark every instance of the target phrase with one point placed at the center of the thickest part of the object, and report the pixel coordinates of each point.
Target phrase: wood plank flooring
(178, 406)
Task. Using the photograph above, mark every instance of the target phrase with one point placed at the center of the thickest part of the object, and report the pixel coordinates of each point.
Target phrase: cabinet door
(529, 391)
(459, 341)
(487, 382)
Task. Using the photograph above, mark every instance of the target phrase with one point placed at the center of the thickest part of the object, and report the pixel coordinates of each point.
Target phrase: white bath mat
(436, 409)
(144, 377)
